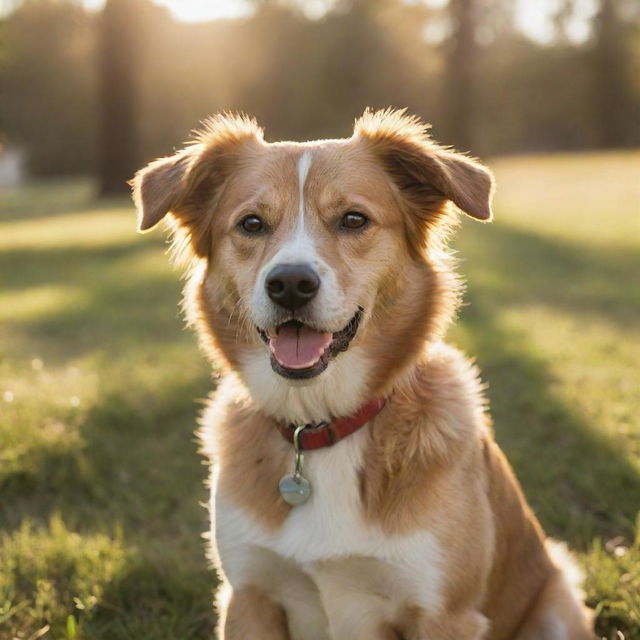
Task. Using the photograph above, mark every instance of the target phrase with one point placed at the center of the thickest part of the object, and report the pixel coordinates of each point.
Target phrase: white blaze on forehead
(299, 246)
(304, 163)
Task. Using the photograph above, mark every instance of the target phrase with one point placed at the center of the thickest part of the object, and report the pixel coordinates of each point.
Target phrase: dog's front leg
(462, 625)
(248, 613)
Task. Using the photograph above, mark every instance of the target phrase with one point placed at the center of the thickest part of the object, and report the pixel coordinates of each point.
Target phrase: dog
(357, 490)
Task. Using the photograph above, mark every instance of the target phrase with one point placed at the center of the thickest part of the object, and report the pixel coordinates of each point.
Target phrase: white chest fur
(326, 563)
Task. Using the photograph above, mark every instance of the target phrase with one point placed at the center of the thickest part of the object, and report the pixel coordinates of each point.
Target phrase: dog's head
(319, 261)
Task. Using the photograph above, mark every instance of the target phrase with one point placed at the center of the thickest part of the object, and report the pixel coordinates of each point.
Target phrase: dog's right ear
(158, 188)
(185, 184)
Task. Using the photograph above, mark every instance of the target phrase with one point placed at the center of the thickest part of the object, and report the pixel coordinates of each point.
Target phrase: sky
(195, 10)
(534, 18)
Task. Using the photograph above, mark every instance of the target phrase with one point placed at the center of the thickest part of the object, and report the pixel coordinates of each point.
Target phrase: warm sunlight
(195, 10)
(235, 123)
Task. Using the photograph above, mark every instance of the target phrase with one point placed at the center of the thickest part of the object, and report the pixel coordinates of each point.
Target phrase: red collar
(327, 433)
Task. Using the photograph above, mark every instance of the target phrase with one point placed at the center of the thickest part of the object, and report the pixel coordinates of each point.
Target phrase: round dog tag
(294, 489)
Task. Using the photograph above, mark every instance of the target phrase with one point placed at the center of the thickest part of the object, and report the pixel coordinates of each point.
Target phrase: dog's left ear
(185, 185)
(426, 174)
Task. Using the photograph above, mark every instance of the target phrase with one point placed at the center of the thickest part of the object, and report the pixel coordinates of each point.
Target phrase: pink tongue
(299, 347)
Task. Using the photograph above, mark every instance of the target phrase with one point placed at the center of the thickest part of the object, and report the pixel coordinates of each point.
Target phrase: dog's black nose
(292, 285)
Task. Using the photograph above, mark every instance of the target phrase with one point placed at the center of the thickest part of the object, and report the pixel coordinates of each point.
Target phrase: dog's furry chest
(325, 556)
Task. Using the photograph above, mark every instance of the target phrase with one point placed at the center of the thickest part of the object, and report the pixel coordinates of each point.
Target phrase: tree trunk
(459, 90)
(118, 135)
(611, 98)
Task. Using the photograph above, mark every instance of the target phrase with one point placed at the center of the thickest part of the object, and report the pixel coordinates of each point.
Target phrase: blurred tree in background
(48, 86)
(118, 34)
(87, 92)
(460, 74)
(614, 102)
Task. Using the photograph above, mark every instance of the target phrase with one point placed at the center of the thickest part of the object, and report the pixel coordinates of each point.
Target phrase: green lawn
(101, 484)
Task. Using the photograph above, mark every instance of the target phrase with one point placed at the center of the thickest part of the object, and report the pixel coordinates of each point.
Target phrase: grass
(100, 481)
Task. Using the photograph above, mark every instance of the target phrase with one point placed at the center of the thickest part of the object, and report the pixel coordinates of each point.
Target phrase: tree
(119, 137)
(611, 76)
(460, 75)
(47, 86)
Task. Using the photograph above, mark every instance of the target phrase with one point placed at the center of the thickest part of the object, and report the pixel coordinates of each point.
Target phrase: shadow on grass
(565, 466)
(136, 444)
(154, 600)
(135, 455)
(133, 469)
(136, 475)
(46, 198)
(119, 307)
(30, 267)
(533, 268)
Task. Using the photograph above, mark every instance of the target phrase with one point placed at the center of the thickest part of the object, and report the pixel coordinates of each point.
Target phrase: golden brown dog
(357, 492)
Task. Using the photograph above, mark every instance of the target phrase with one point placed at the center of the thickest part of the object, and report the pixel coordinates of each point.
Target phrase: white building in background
(12, 166)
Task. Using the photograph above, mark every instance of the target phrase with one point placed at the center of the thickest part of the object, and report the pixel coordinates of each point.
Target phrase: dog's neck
(337, 392)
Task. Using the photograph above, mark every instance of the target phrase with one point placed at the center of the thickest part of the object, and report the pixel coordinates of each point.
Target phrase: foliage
(308, 77)
(48, 86)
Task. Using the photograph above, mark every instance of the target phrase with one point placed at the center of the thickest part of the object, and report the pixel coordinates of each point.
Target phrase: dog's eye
(252, 224)
(354, 220)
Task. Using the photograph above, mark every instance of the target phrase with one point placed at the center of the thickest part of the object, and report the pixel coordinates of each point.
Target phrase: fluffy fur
(417, 528)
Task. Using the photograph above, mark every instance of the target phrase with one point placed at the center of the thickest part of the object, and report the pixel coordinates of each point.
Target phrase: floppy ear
(463, 181)
(426, 173)
(185, 184)
(158, 188)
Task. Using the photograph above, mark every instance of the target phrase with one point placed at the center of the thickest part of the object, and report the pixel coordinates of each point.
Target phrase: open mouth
(298, 351)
